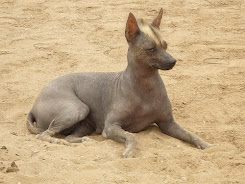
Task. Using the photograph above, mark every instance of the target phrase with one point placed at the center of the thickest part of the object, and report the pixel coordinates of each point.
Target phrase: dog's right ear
(132, 28)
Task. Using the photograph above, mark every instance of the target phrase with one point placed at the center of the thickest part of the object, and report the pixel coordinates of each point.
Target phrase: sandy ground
(44, 39)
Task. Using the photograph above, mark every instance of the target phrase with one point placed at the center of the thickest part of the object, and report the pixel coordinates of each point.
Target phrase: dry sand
(44, 39)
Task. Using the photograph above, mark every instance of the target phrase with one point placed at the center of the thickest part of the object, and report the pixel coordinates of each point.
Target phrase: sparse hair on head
(151, 32)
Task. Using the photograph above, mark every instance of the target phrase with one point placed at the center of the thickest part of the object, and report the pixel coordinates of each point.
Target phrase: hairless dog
(113, 104)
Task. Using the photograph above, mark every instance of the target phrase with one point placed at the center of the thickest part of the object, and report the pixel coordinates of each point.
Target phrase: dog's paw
(74, 139)
(38, 136)
(59, 141)
(205, 145)
(50, 139)
(129, 152)
(85, 139)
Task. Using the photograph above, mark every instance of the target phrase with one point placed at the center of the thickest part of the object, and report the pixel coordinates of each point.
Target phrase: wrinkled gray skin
(112, 104)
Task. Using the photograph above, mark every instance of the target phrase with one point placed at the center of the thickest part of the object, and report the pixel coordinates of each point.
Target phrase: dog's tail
(31, 124)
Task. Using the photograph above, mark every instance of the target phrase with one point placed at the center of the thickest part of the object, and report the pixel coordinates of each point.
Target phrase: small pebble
(14, 133)
(12, 168)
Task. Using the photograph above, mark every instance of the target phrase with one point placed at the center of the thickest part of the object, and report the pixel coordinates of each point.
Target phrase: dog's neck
(140, 73)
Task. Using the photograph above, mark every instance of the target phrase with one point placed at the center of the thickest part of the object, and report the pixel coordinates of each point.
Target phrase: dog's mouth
(164, 66)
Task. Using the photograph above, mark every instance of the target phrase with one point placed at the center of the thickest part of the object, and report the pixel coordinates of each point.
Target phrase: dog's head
(146, 45)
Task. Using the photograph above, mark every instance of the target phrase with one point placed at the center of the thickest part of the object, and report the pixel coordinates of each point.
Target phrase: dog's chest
(141, 116)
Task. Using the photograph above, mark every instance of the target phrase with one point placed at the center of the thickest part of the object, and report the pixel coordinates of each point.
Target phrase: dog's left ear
(157, 21)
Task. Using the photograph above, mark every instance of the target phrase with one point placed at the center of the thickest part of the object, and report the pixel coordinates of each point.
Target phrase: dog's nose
(173, 61)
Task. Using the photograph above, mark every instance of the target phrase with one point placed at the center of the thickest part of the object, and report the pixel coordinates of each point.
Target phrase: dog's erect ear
(132, 28)
(157, 21)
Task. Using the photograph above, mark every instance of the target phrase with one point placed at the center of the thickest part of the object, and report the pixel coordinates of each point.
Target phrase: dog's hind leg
(79, 133)
(68, 117)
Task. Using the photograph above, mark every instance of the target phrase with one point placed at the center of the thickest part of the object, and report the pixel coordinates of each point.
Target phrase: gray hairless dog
(113, 104)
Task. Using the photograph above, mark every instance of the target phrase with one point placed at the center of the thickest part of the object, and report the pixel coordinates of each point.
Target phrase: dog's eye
(153, 49)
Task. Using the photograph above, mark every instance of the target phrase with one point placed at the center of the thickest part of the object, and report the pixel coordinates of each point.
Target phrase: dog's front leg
(115, 132)
(174, 130)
